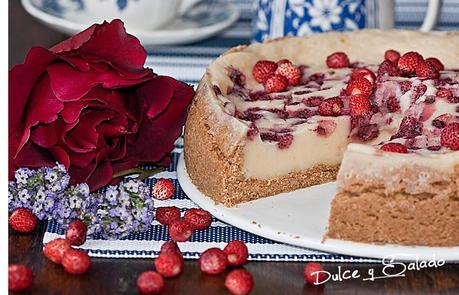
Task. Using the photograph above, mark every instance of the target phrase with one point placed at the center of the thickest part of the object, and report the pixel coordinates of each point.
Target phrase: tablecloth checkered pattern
(187, 63)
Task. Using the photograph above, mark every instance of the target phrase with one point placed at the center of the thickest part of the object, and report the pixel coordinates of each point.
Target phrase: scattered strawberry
(239, 282)
(388, 68)
(169, 264)
(313, 273)
(150, 283)
(427, 70)
(364, 73)
(392, 55)
(213, 261)
(163, 189)
(167, 215)
(289, 71)
(444, 92)
(436, 63)
(180, 231)
(76, 232)
(198, 218)
(285, 141)
(359, 105)
(394, 147)
(55, 249)
(409, 127)
(237, 253)
(22, 220)
(443, 120)
(409, 61)
(338, 60)
(331, 107)
(450, 136)
(170, 247)
(359, 86)
(20, 277)
(263, 69)
(76, 262)
(275, 83)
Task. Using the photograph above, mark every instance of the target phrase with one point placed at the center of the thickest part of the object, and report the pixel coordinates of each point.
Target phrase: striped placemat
(188, 63)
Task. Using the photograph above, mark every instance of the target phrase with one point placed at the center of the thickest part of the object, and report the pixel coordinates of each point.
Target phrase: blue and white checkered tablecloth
(188, 63)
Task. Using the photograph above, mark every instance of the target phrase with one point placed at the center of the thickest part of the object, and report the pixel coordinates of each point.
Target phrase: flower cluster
(113, 213)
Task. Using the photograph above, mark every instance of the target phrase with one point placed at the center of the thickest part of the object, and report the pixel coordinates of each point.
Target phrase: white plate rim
(153, 37)
(400, 252)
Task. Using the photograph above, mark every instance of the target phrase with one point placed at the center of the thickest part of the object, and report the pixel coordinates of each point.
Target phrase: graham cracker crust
(366, 213)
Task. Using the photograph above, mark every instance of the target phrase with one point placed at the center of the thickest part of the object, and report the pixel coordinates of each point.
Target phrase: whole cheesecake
(282, 115)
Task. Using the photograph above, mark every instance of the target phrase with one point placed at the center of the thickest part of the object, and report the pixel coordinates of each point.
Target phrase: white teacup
(137, 14)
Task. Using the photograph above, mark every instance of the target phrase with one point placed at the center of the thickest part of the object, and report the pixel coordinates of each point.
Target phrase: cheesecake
(375, 110)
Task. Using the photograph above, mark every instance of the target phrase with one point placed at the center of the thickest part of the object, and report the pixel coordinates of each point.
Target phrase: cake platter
(300, 218)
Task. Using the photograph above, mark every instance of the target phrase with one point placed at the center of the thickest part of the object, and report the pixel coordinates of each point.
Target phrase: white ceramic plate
(194, 26)
(300, 218)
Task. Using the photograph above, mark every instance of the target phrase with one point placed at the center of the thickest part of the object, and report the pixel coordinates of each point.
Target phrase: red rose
(90, 104)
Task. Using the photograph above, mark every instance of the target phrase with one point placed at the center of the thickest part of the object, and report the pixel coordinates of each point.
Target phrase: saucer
(205, 19)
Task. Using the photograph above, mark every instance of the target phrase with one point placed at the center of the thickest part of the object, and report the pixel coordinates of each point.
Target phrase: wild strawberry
(364, 73)
(263, 69)
(314, 273)
(180, 231)
(393, 105)
(359, 105)
(450, 136)
(237, 252)
(76, 262)
(198, 218)
(163, 189)
(150, 283)
(169, 264)
(444, 92)
(409, 127)
(409, 61)
(405, 86)
(392, 55)
(388, 68)
(20, 277)
(213, 261)
(22, 220)
(170, 247)
(394, 147)
(443, 120)
(331, 107)
(275, 83)
(290, 72)
(167, 215)
(76, 232)
(427, 70)
(285, 141)
(436, 63)
(338, 60)
(239, 282)
(359, 86)
(55, 249)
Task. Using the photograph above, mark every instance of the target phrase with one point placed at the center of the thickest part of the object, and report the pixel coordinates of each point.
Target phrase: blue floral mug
(276, 18)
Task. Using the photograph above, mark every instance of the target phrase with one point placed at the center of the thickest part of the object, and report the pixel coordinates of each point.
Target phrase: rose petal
(44, 135)
(69, 84)
(60, 155)
(33, 156)
(81, 159)
(156, 136)
(74, 42)
(42, 107)
(129, 53)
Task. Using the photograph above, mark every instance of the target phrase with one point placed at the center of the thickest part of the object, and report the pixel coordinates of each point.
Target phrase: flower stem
(142, 173)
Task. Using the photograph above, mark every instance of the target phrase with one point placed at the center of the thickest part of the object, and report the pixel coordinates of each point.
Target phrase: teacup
(136, 14)
(275, 18)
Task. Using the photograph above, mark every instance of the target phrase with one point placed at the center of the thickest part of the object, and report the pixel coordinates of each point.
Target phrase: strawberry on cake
(282, 115)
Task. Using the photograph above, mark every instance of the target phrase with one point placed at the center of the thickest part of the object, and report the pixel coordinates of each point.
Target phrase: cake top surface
(398, 91)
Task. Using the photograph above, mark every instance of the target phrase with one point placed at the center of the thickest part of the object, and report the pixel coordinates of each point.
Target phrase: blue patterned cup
(276, 18)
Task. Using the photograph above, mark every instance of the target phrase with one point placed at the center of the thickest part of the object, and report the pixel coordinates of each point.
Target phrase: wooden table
(118, 276)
